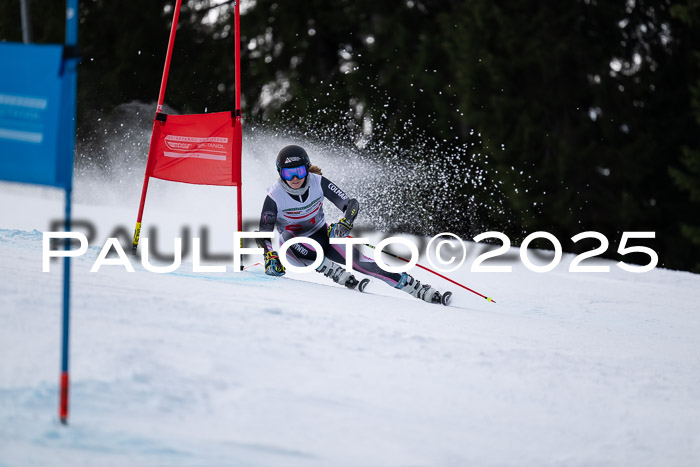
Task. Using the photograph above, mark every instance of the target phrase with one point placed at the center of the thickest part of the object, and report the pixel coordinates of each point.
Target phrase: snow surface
(207, 369)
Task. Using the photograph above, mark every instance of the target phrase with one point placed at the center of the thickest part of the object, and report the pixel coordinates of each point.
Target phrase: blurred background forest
(583, 114)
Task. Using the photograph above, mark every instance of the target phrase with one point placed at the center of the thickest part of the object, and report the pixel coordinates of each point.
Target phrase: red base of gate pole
(63, 406)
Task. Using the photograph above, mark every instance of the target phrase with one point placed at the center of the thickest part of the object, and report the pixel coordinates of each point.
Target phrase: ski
(363, 284)
(354, 284)
(446, 298)
(441, 298)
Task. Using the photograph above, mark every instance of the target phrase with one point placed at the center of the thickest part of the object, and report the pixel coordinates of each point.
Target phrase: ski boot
(422, 291)
(340, 276)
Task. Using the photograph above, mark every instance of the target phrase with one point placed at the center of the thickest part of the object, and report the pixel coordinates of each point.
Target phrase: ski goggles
(289, 173)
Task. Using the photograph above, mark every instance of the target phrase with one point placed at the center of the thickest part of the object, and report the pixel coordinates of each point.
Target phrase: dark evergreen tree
(581, 106)
(320, 62)
(687, 173)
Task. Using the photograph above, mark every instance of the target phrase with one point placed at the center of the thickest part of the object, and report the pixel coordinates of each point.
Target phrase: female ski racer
(294, 205)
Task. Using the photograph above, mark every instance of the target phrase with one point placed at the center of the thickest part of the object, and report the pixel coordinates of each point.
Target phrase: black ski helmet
(292, 156)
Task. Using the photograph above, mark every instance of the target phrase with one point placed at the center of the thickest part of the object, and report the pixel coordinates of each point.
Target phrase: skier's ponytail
(314, 169)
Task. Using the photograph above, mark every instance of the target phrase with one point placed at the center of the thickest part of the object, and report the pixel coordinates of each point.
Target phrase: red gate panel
(203, 149)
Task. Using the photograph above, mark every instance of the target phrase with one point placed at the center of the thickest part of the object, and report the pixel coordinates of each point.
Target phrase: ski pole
(251, 265)
(430, 270)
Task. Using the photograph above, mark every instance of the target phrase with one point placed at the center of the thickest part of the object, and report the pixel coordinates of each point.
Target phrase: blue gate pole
(72, 23)
(69, 97)
(63, 404)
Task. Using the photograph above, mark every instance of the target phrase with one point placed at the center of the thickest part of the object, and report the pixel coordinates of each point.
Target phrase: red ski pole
(431, 271)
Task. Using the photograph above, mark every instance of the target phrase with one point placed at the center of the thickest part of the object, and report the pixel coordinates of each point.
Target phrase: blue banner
(37, 114)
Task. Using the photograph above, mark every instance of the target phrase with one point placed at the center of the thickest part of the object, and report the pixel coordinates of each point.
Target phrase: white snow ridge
(241, 369)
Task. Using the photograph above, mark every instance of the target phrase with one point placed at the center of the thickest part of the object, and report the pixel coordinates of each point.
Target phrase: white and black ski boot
(339, 275)
(422, 291)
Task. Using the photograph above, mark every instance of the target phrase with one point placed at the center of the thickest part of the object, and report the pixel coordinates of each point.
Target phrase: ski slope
(208, 369)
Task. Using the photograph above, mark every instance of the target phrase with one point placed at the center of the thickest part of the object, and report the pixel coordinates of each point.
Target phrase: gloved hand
(340, 229)
(273, 266)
